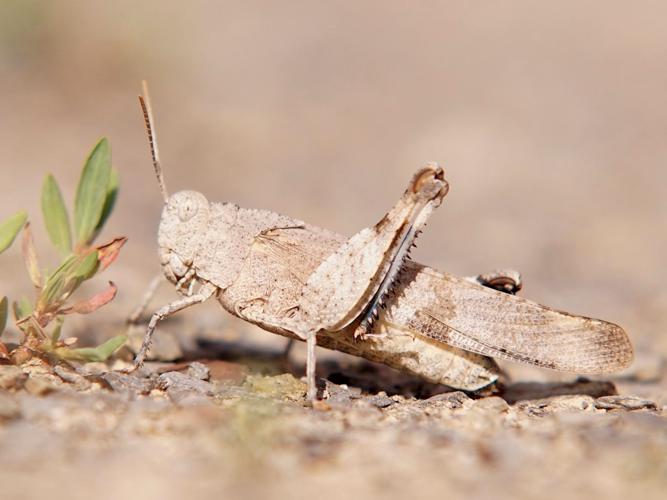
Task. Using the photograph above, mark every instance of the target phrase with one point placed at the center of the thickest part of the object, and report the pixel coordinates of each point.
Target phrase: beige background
(548, 117)
(550, 120)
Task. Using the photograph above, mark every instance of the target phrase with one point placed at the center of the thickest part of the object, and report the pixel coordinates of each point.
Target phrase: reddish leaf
(92, 304)
(30, 257)
(108, 253)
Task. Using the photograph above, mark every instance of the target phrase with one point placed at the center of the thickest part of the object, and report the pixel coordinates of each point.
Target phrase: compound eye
(187, 210)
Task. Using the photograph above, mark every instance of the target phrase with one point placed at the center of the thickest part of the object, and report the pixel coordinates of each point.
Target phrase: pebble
(557, 403)
(380, 400)
(492, 404)
(72, 377)
(177, 381)
(451, 400)
(130, 384)
(199, 371)
(340, 394)
(624, 403)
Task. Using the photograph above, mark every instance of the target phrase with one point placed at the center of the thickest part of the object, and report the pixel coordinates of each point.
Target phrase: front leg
(203, 294)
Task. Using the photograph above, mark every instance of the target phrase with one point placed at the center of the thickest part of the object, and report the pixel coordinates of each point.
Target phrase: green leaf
(83, 268)
(55, 216)
(99, 353)
(110, 199)
(86, 267)
(91, 192)
(22, 308)
(4, 312)
(63, 281)
(55, 335)
(55, 283)
(9, 228)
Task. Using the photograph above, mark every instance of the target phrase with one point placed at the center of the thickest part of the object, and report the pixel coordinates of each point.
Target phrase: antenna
(145, 102)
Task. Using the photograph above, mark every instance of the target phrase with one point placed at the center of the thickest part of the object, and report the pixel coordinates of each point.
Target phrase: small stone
(199, 371)
(36, 366)
(380, 400)
(340, 395)
(9, 407)
(572, 403)
(11, 377)
(492, 404)
(129, 384)
(177, 381)
(451, 400)
(624, 403)
(72, 377)
(553, 404)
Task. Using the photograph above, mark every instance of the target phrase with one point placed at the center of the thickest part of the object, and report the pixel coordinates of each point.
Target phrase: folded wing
(481, 320)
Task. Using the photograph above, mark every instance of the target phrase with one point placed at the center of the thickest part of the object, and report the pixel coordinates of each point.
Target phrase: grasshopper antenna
(145, 102)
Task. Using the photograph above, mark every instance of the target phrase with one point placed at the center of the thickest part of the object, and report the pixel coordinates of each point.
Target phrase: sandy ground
(549, 120)
(233, 429)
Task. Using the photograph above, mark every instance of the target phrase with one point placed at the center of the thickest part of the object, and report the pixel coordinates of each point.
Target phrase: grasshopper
(363, 295)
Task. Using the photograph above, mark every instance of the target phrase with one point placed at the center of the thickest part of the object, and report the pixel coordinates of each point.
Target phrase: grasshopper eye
(187, 210)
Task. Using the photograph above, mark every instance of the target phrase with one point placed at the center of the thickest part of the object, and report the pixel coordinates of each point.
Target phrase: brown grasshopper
(362, 295)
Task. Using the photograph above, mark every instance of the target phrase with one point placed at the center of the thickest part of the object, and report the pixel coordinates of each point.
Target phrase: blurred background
(549, 119)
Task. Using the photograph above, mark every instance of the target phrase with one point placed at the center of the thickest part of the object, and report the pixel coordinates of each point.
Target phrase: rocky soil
(244, 430)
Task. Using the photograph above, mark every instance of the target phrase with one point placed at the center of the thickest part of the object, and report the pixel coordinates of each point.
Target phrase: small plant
(41, 320)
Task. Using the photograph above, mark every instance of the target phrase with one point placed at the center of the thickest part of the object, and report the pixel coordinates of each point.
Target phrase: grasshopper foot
(132, 369)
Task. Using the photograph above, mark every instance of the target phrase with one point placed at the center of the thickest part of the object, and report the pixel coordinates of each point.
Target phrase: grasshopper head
(182, 229)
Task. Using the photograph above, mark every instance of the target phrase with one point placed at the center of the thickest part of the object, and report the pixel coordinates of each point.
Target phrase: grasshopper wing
(481, 320)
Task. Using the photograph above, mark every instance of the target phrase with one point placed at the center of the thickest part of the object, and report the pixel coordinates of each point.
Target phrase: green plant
(41, 320)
